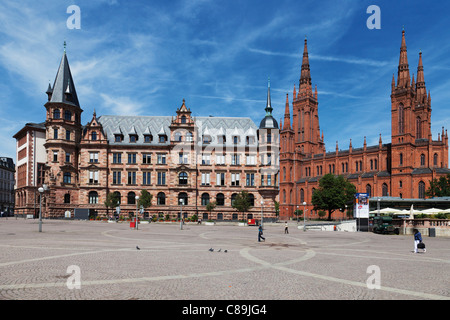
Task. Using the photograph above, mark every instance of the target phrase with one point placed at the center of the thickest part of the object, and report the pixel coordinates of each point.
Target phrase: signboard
(361, 205)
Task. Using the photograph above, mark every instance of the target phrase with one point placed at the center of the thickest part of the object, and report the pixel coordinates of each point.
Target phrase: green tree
(439, 187)
(277, 208)
(145, 199)
(242, 202)
(112, 201)
(210, 207)
(334, 192)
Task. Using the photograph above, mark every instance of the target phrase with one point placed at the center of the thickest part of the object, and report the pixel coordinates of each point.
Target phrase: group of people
(418, 242)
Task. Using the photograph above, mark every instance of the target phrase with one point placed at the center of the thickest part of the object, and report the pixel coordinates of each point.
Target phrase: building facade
(175, 157)
(7, 181)
(402, 168)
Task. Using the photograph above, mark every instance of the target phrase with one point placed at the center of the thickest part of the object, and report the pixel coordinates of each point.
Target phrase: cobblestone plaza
(175, 264)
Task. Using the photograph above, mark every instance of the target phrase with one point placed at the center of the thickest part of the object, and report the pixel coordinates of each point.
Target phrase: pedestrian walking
(418, 241)
(260, 234)
(286, 230)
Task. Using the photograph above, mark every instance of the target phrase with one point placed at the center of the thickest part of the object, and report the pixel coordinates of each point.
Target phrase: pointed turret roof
(63, 90)
(269, 101)
(305, 76)
(268, 122)
(403, 79)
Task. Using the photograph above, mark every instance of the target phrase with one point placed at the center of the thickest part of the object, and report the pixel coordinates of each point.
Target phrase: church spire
(403, 79)
(287, 115)
(421, 89)
(63, 88)
(305, 77)
(269, 101)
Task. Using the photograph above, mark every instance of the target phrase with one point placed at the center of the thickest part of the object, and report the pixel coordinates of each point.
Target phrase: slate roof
(157, 125)
(63, 89)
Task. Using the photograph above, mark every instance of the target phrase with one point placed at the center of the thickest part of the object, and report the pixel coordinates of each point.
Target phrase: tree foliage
(334, 192)
(242, 202)
(439, 187)
(112, 200)
(145, 199)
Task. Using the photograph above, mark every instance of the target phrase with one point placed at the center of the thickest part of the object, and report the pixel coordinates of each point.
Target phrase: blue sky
(145, 57)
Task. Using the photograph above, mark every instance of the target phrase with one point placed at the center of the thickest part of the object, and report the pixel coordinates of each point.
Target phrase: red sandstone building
(402, 168)
(180, 157)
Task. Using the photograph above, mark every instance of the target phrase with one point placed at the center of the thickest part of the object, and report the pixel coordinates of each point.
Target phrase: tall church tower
(63, 134)
(305, 113)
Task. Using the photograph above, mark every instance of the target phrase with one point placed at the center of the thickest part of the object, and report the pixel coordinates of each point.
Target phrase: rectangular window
(55, 133)
(131, 158)
(235, 179)
(67, 177)
(55, 156)
(117, 177)
(251, 160)
(161, 178)
(250, 179)
(146, 178)
(269, 179)
(220, 159)
(161, 158)
(182, 158)
(206, 159)
(147, 158)
(132, 177)
(67, 157)
(220, 180)
(235, 160)
(117, 158)
(93, 177)
(93, 157)
(67, 135)
(205, 178)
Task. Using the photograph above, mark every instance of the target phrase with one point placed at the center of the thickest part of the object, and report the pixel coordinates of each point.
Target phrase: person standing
(286, 230)
(417, 240)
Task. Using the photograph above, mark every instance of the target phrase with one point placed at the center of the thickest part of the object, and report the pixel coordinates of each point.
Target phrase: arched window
(183, 119)
(178, 137)
(401, 159)
(233, 197)
(205, 199)
(220, 199)
(161, 199)
(302, 195)
(284, 196)
(119, 197)
(422, 190)
(369, 190)
(182, 178)
(401, 118)
(131, 197)
(183, 198)
(384, 190)
(93, 197)
(422, 159)
(435, 160)
(251, 199)
(418, 128)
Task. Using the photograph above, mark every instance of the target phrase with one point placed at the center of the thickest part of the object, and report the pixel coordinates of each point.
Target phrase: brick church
(178, 159)
(402, 168)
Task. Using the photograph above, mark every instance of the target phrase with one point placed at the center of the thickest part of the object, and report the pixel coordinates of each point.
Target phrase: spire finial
(64, 45)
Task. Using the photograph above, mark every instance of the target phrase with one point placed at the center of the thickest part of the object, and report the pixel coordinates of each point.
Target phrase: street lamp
(262, 217)
(181, 213)
(297, 215)
(304, 216)
(137, 212)
(41, 193)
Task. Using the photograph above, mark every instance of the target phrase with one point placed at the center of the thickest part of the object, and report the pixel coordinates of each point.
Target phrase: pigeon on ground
(220, 249)
(138, 248)
(225, 251)
(211, 249)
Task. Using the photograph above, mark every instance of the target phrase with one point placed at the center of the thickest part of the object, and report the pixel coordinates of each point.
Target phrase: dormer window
(235, 139)
(117, 138)
(148, 138)
(133, 138)
(250, 140)
(207, 139)
(162, 138)
(221, 139)
(183, 119)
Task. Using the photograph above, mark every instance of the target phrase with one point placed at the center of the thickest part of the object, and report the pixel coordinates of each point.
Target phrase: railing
(422, 223)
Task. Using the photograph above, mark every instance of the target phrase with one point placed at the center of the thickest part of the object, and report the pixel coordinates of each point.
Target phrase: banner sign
(361, 205)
